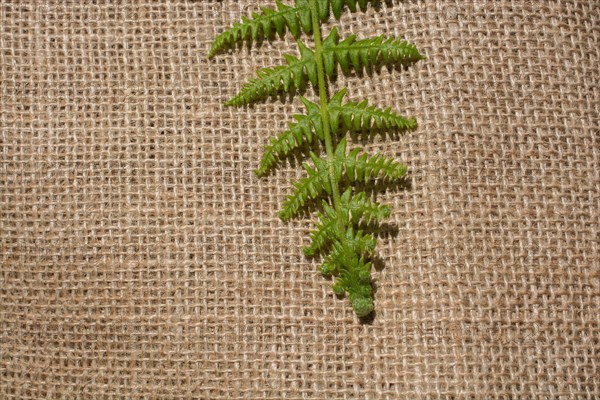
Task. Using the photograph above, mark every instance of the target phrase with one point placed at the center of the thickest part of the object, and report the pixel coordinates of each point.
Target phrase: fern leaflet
(314, 185)
(361, 116)
(359, 167)
(303, 131)
(273, 80)
(366, 53)
(324, 232)
(261, 23)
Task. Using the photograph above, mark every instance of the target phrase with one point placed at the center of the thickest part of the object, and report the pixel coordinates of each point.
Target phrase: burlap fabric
(141, 258)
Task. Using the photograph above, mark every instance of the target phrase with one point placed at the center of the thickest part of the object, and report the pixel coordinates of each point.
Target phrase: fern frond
(314, 185)
(361, 207)
(361, 116)
(338, 229)
(362, 168)
(299, 133)
(366, 53)
(280, 78)
(325, 231)
(261, 24)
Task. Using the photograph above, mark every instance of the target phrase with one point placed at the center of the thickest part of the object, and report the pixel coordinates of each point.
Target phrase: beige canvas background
(141, 258)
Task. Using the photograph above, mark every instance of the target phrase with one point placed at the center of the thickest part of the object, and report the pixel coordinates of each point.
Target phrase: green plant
(335, 179)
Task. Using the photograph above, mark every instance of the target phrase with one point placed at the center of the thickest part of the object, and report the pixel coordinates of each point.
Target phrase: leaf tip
(283, 216)
(212, 52)
(338, 289)
(362, 306)
(260, 172)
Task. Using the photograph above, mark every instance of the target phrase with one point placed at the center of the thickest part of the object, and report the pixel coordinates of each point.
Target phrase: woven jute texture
(142, 258)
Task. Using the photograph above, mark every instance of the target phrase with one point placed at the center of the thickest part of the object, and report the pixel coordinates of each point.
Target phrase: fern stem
(324, 103)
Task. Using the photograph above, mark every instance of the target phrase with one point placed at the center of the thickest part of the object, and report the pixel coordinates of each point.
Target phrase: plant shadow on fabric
(341, 185)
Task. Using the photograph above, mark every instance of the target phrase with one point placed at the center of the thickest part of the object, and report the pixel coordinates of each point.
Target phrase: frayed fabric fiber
(141, 257)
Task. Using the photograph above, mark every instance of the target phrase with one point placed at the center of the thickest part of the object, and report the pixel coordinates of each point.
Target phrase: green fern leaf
(313, 186)
(280, 78)
(362, 168)
(361, 116)
(366, 53)
(361, 207)
(299, 133)
(325, 231)
(261, 24)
